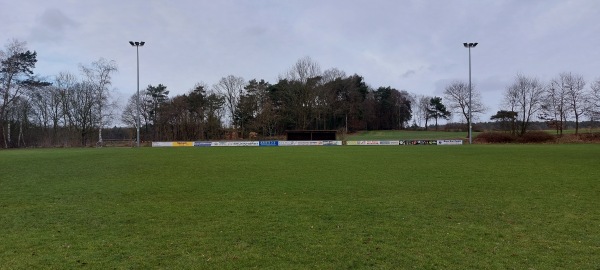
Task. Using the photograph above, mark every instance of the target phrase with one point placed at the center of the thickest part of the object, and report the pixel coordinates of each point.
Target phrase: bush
(580, 138)
(495, 137)
(590, 137)
(536, 137)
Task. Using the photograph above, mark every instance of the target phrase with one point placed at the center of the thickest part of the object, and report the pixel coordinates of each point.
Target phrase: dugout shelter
(311, 135)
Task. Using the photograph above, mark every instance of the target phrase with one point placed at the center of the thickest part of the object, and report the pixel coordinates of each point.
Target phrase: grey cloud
(408, 73)
(51, 25)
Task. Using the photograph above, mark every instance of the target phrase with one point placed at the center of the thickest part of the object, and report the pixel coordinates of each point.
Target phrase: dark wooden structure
(311, 135)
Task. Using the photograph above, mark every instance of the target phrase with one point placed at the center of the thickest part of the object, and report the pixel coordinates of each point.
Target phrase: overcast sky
(413, 45)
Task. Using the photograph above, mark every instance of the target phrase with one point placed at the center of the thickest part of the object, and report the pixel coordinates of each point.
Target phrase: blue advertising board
(268, 143)
(202, 144)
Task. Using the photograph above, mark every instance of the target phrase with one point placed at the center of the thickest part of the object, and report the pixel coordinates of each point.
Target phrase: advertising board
(420, 142)
(238, 143)
(300, 143)
(182, 144)
(332, 143)
(389, 142)
(162, 144)
(363, 143)
(202, 144)
(268, 143)
(449, 142)
(304, 143)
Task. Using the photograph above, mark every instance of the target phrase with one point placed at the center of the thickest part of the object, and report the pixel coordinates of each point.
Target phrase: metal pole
(470, 102)
(470, 120)
(137, 100)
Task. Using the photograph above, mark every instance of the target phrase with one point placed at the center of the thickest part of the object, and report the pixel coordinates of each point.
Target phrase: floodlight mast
(137, 45)
(470, 120)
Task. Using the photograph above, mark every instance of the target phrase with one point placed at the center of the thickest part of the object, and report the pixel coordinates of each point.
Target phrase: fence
(304, 143)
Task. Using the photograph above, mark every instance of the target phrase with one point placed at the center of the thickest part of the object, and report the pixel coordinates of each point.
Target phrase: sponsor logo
(389, 142)
(300, 143)
(251, 143)
(202, 144)
(268, 143)
(180, 144)
(332, 143)
(449, 142)
(162, 144)
(368, 143)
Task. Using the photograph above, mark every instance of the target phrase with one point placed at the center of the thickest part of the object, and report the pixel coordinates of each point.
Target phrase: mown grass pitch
(465, 207)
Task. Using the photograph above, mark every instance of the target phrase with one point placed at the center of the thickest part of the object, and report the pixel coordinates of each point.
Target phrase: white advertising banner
(300, 143)
(239, 143)
(449, 142)
(162, 144)
(332, 143)
(389, 142)
(363, 143)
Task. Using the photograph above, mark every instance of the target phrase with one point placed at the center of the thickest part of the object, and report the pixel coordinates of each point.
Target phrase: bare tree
(98, 76)
(304, 69)
(129, 114)
(576, 96)
(525, 96)
(457, 96)
(332, 74)
(83, 109)
(231, 87)
(555, 107)
(42, 106)
(418, 105)
(65, 84)
(593, 103)
(423, 109)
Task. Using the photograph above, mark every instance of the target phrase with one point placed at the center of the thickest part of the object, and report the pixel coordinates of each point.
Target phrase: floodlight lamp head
(466, 45)
(131, 42)
(142, 43)
(473, 44)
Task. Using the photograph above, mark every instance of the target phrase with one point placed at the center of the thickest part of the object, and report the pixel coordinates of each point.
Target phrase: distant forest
(79, 109)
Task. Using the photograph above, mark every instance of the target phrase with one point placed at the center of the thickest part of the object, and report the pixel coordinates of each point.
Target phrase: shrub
(569, 138)
(536, 137)
(590, 137)
(580, 138)
(495, 137)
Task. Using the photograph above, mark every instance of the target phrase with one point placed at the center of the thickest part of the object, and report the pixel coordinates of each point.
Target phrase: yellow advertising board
(181, 144)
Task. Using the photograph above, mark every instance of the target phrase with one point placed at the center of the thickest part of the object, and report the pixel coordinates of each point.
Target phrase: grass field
(425, 207)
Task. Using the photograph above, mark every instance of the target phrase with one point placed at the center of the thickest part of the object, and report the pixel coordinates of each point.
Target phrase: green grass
(425, 207)
(407, 135)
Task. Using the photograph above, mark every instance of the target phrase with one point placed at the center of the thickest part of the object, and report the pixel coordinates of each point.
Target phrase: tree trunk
(20, 138)
(576, 123)
(3, 134)
(8, 135)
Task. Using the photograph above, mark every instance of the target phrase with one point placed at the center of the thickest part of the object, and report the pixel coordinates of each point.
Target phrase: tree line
(563, 98)
(70, 109)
